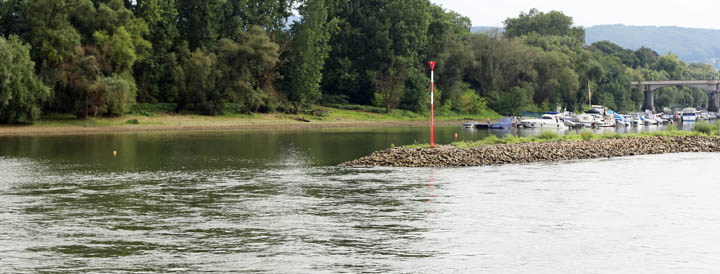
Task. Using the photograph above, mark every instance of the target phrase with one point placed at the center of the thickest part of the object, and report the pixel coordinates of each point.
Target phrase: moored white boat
(586, 120)
(621, 121)
(638, 120)
(689, 115)
(546, 120)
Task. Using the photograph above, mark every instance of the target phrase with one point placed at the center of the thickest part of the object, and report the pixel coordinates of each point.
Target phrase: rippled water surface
(275, 202)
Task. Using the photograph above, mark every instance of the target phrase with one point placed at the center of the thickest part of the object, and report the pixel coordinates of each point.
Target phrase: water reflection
(274, 202)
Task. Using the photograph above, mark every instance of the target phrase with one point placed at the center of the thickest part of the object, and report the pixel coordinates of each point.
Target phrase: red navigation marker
(432, 105)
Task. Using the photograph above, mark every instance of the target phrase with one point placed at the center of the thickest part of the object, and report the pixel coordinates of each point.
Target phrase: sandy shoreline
(231, 125)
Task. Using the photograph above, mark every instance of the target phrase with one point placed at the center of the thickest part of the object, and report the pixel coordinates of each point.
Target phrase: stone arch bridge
(712, 87)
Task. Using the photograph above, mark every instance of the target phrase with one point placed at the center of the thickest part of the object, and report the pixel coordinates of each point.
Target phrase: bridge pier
(649, 100)
(714, 105)
(712, 87)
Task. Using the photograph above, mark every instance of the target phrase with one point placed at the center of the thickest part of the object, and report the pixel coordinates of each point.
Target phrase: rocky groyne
(453, 156)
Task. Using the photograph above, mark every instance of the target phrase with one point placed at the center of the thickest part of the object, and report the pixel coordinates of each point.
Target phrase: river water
(275, 202)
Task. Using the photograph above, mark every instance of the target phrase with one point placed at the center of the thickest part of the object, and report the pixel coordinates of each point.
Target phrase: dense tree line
(99, 57)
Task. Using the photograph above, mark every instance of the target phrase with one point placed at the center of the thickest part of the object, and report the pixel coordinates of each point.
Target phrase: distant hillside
(690, 44)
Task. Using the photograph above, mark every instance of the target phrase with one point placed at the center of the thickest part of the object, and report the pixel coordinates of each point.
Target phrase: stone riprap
(453, 156)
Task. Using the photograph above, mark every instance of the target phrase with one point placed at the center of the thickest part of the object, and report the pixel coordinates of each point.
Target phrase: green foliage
(586, 135)
(375, 52)
(707, 128)
(50, 34)
(513, 102)
(389, 84)
(551, 23)
(133, 122)
(548, 135)
(195, 78)
(200, 22)
(471, 102)
(148, 109)
(99, 57)
(119, 94)
(372, 109)
(308, 53)
(692, 45)
(153, 73)
(245, 69)
(21, 92)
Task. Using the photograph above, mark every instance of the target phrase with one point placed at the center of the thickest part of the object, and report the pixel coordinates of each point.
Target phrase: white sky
(686, 13)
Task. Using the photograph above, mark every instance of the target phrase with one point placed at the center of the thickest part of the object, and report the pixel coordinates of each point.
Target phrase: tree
(308, 52)
(627, 57)
(389, 85)
(551, 23)
(271, 15)
(247, 68)
(152, 73)
(199, 21)
(21, 92)
(369, 34)
(646, 57)
(50, 34)
(11, 21)
(196, 77)
(75, 77)
(450, 38)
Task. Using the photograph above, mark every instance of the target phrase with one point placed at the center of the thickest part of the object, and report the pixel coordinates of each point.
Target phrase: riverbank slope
(499, 154)
(327, 118)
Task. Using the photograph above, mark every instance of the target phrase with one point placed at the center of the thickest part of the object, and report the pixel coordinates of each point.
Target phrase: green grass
(417, 145)
(164, 114)
(372, 113)
(147, 109)
(549, 136)
(707, 127)
(60, 120)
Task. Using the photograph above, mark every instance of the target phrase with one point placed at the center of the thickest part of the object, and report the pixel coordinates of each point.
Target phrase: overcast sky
(686, 13)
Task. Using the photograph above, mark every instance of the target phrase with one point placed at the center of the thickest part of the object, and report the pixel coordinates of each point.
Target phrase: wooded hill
(691, 45)
(100, 57)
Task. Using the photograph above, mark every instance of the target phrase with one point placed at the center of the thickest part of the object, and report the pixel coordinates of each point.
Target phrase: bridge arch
(712, 87)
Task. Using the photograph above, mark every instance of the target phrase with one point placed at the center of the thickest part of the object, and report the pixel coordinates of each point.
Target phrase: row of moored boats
(598, 116)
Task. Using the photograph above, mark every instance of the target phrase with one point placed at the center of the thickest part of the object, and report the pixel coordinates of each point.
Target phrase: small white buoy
(114, 153)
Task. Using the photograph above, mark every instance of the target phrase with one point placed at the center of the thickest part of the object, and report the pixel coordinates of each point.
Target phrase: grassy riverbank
(701, 129)
(159, 117)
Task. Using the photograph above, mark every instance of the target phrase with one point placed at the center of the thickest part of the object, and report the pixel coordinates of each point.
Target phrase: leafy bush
(119, 93)
(133, 122)
(704, 127)
(472, 103)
